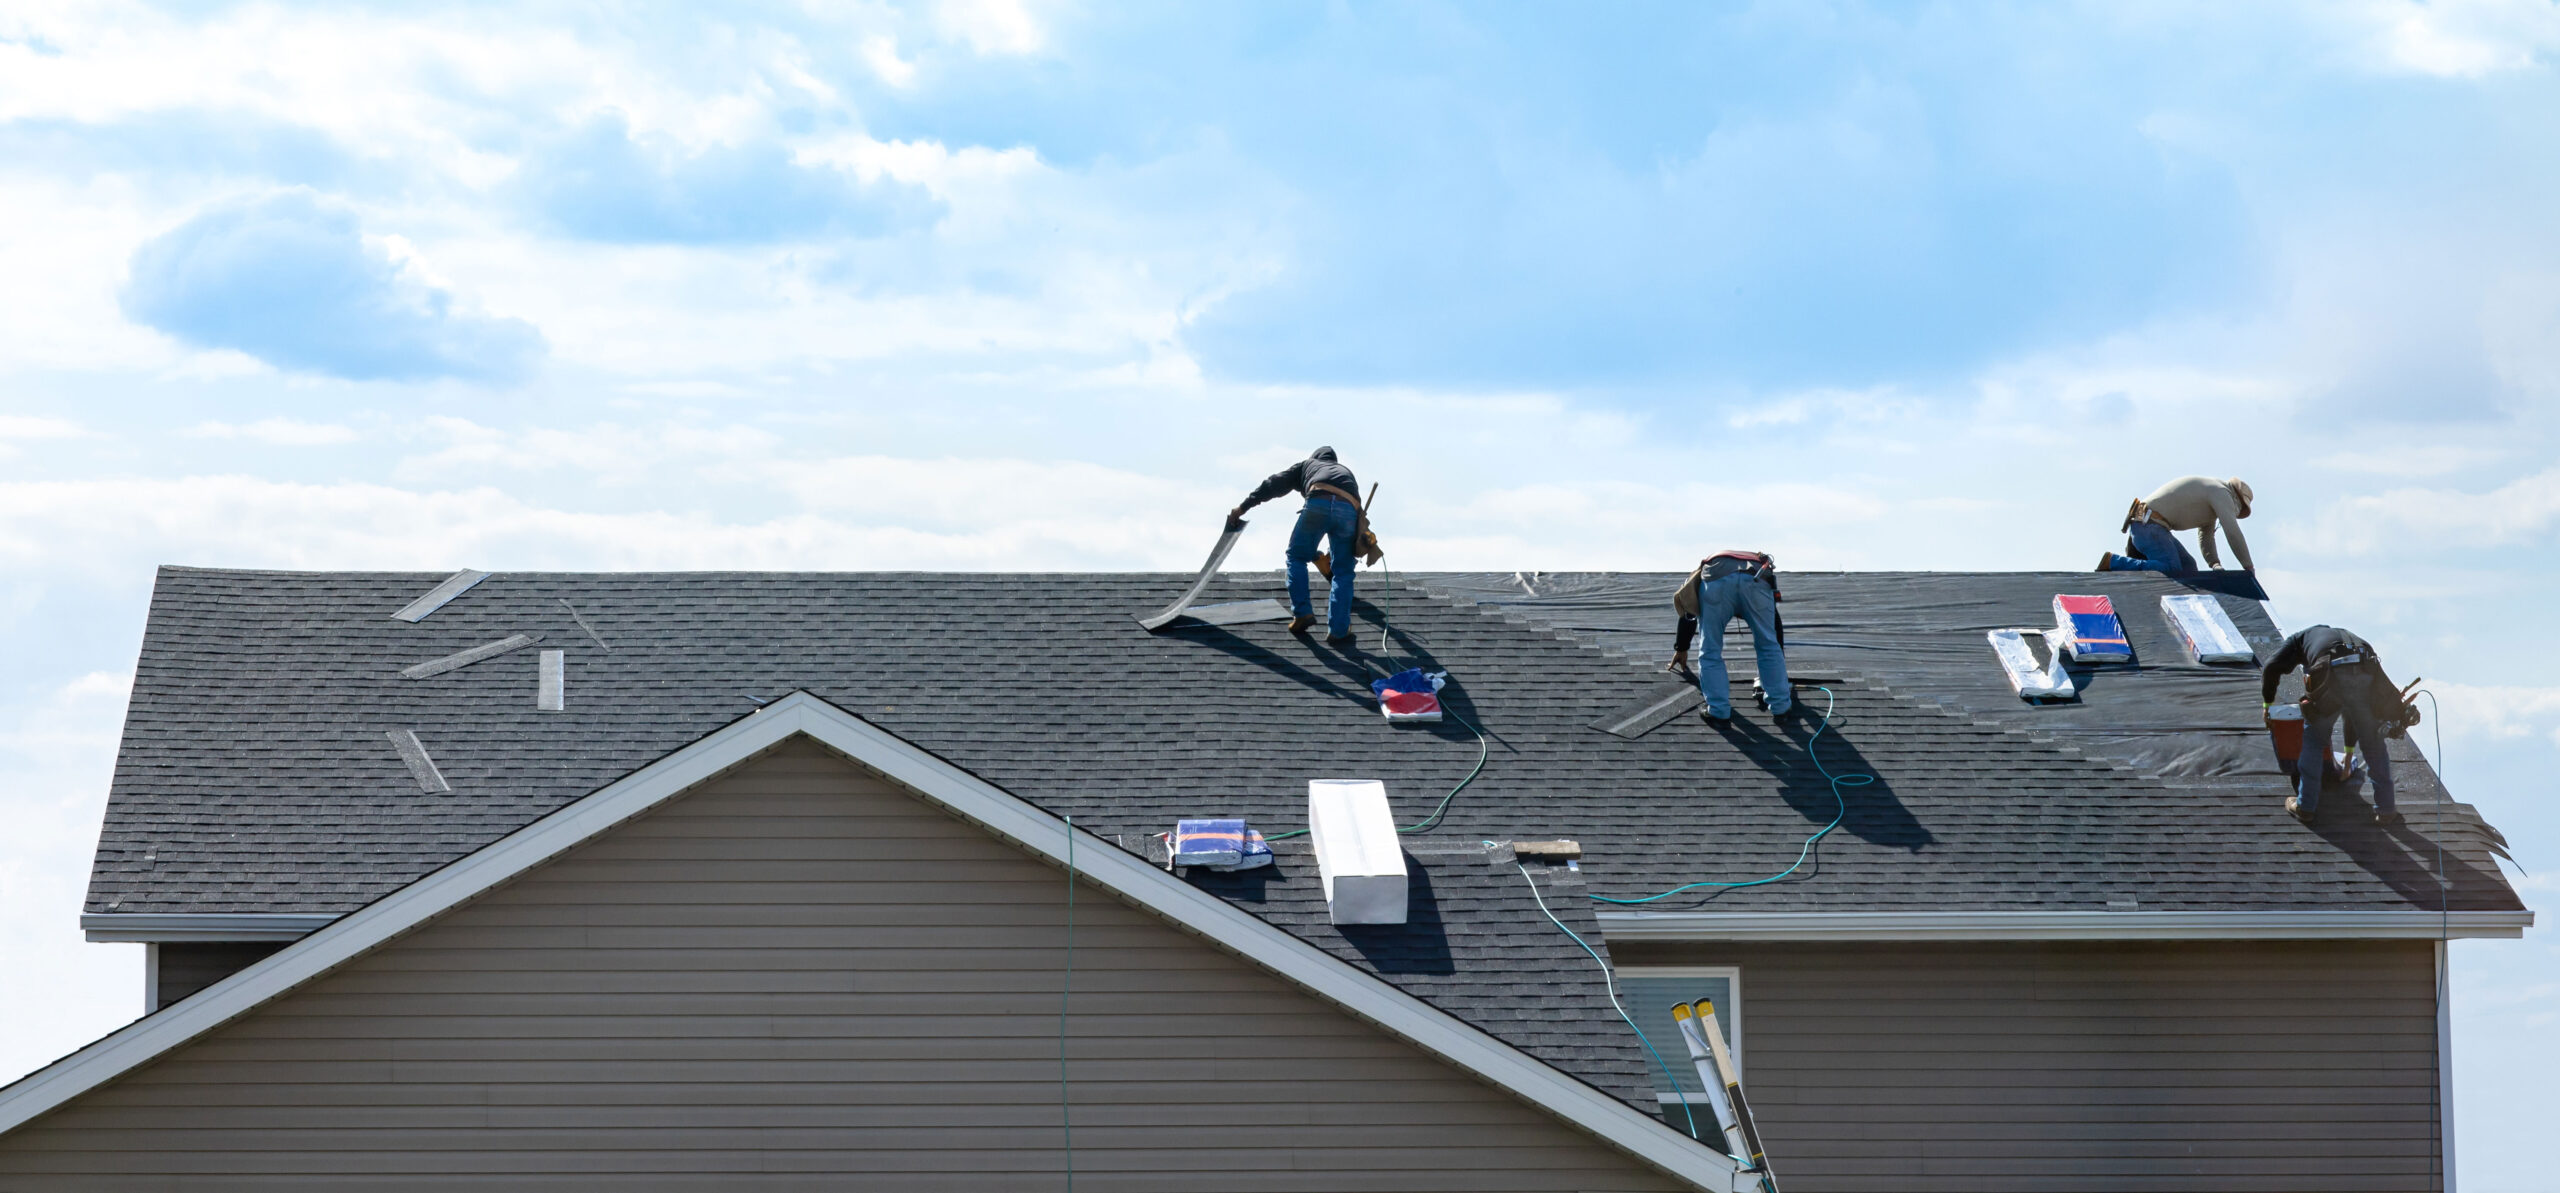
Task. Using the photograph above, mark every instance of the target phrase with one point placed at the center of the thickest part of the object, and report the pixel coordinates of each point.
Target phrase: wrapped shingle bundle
(2206, 629)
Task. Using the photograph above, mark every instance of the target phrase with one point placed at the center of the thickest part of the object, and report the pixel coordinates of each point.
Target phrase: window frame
(1732, 1015)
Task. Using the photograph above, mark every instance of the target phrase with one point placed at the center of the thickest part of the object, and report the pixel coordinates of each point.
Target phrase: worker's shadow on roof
(2405, 856)
(1871, 812)
(1344, 676)
(1418, 945)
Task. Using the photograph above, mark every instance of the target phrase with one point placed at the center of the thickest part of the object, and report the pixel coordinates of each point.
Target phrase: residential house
(782, 881)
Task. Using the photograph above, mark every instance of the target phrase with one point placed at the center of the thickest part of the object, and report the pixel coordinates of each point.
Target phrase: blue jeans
(2154, 550)
(1720, 601)
(1334, 520)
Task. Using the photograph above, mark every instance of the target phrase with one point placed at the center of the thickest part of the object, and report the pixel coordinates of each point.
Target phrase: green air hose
(1609, 982)
(1837, 782)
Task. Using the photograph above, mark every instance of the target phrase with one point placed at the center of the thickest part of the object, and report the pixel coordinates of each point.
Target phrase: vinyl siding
(187, 967)
(793, 978)
(2294, 1066)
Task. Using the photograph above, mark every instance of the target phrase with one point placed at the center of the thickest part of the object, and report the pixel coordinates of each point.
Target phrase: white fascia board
(965, 795)
(181, 928)
(1622, 926)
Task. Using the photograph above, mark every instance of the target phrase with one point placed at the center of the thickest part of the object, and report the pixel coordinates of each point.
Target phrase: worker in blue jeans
(1725, 586)
(1332, 512)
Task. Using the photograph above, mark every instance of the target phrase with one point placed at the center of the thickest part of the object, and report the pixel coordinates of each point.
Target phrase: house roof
(1560, 1015)
(256, 776)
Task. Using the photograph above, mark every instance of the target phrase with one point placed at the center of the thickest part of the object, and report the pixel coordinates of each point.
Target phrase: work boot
(1341, 641)
(1302, 623)
(2106, 561)
(2293, 808)
(1713, 719)
(2389, 820)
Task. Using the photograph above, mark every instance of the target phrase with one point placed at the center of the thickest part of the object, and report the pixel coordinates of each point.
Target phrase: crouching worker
(2342, 681)
(1332, 513)
(1728, 585)
(2197, 503)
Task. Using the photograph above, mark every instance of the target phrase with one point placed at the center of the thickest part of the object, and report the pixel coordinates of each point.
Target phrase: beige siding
(799, 978)
(2294, 1066)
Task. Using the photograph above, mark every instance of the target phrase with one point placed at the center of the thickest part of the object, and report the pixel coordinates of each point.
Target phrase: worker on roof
(1727, 585)
(2342, 680)
(1332, 513)
(2197, 503)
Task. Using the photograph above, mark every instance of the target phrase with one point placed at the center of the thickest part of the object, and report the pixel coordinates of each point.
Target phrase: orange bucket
(2284, 731)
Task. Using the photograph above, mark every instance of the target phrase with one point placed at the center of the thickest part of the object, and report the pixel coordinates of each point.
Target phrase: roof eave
(1815, 926)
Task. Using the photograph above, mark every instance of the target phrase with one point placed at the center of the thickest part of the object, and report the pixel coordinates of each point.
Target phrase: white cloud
(282, 432)
(2519, 511)
(880, 52)
(24, 426)
(992, 26)
(2465, 38)
(2498, 712)
(2414, 459)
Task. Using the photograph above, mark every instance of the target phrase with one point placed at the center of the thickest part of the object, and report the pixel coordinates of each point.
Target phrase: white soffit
(2060, 925)
(973, 799)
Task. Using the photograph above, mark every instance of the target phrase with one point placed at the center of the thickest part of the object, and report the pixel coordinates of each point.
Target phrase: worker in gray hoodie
(1332, 513)
(2197, 503)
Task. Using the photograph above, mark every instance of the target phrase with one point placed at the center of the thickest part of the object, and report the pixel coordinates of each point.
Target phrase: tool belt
(1366, 543)
(1749, 563)
(2140, 512)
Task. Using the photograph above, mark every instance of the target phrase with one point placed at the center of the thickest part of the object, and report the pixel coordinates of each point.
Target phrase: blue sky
(999, 284)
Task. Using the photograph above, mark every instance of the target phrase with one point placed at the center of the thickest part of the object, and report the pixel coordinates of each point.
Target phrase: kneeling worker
(2342, 680)
(1725, 586)
(2197, 503)
(1333, 513)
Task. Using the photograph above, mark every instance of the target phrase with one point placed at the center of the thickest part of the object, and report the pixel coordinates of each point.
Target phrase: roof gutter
(1674, 926)
(131, 928)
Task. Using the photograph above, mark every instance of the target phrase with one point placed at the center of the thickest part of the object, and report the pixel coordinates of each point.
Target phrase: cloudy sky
(1013, 285)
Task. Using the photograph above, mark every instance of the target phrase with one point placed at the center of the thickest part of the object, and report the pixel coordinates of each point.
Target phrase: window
(1648, 993)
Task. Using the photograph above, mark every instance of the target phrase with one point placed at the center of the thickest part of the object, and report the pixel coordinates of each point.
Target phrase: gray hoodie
(1318, 469)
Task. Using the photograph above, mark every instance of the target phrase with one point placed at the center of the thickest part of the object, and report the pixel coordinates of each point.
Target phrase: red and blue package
(1410, 695)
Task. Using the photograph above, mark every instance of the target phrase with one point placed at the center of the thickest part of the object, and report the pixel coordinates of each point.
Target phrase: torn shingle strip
(466, 658)
(1654, 710)
(414, 752)
(547, 685)
(454, 585)
(582, 624)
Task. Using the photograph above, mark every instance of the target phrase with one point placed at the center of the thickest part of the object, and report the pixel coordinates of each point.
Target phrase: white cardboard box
(1357, 851)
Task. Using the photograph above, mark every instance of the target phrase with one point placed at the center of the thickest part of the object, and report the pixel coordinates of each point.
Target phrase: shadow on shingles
(1352, 683)
(1418, 945)
(1243, 886)
(1872, 813)
(2403, 857)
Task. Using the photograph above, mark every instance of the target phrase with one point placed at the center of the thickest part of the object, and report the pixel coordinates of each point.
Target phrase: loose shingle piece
(414, 753)
(547, 694)
(454, 585)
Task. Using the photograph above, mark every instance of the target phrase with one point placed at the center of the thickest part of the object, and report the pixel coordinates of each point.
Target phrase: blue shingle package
(1219, 845)
(2086, 629)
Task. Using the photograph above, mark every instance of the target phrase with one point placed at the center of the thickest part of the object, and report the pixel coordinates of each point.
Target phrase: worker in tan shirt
(2197, 503)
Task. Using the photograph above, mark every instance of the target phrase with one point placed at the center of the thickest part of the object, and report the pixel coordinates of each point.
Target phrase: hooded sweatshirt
(2197, 503)
(1318, 469)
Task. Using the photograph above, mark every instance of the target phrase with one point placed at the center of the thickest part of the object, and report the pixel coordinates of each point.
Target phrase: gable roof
(255, 776)
(936, 780)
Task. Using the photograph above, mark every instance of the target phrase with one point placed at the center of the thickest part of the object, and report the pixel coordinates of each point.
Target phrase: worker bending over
(1728, 585)
(1332, 513)
(2342, 680)
(2197, 503)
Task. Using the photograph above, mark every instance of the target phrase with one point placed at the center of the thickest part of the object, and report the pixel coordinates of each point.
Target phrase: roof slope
(1570, 1012)
(255, 775)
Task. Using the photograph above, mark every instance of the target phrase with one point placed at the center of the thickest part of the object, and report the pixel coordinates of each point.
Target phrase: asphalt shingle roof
(255, 775)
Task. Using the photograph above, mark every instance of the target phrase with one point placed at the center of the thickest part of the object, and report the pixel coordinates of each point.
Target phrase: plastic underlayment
(1927, 638)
